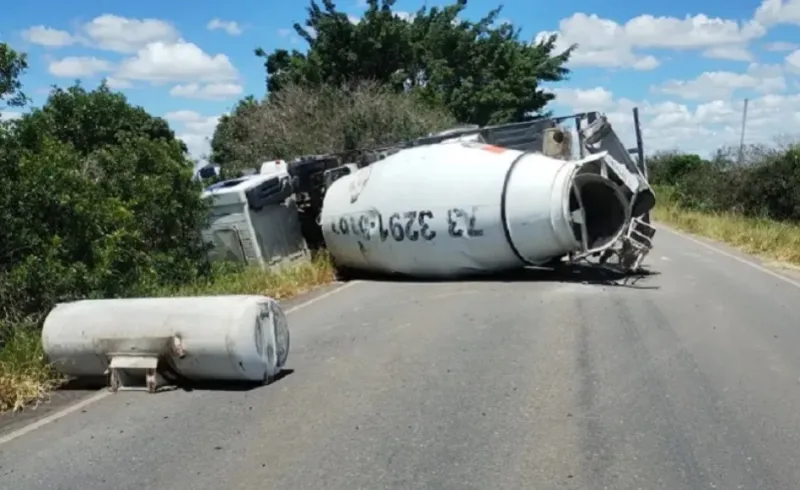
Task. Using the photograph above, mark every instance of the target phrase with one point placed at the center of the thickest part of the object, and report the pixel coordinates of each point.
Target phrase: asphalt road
(687, 379)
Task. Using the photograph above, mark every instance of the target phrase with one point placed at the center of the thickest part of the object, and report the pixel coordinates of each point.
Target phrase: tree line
(99, 199)
(761, 182)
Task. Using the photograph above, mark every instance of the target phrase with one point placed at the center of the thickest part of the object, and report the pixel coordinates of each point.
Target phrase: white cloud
(107, 32)
(157, 54)
(195, 130)
(182, 116)
(699, 31)
(46, 36)
(118, 84)
(646, 63)
(772, 12)
(734, 53)
(124, 35)
(793, 61)
(78, 66)
(9, 115)
(229, 26)
(722, 84)
(285, 32)
(781, 46)
(211, 91)
(597, 98)
(606, 43)
(160, 62)
(193, 121)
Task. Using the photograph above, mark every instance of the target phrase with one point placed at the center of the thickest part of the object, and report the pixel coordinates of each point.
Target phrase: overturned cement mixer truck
(468, 204)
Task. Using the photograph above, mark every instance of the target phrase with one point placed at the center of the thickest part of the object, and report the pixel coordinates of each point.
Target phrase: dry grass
(26, 378)
(765, 238)
(287, 282)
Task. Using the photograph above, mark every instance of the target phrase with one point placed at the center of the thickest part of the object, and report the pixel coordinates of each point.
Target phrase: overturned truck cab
(466, 207)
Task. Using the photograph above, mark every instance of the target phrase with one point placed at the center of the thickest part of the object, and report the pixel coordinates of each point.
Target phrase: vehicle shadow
(100, 382)
(190, 386)
(564, 273)
(89, 383)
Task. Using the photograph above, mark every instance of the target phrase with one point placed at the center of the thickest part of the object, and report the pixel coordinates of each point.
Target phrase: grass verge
(26, 378)
(765, 238)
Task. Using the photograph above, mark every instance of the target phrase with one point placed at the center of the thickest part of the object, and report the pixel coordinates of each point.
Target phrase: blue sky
(687, 65)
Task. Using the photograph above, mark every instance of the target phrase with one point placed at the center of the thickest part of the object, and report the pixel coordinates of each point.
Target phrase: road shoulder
(788, 271)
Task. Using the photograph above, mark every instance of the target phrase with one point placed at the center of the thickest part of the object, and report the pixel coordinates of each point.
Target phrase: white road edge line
(322, 296)
(53, 417)
(732, 256)
(104, 392)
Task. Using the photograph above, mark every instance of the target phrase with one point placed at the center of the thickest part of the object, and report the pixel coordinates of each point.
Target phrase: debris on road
(168, 340)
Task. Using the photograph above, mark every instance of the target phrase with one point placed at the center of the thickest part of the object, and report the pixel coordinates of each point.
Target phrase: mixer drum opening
(603, 209)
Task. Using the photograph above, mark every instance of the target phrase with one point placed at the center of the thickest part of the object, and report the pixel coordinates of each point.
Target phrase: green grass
(26, 378)
(765, 238)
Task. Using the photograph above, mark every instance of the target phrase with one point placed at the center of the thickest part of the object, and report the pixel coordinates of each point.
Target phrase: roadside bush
(765, 185)
(670, 168)
(98, 202)
(302, 121)
(772, 189)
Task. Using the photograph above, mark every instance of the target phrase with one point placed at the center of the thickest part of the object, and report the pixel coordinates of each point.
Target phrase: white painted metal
(273, 168)
(240, 337)
(513, 200)
(265, 236)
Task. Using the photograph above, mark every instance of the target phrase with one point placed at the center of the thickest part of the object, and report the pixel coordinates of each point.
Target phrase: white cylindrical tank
(239, 337)
(463, 207)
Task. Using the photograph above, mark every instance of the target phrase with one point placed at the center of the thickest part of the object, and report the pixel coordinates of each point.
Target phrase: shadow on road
(101, 382)
(91, 383)
(565, 273)
(229, 385)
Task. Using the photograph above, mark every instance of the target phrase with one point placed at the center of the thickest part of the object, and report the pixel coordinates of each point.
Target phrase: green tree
(98, 202)
(90, 120)
(301, 120)
(12, 66)
(232, 138)
(481, 72)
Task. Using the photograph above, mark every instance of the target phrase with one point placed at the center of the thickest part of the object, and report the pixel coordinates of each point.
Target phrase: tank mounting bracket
(124, 368)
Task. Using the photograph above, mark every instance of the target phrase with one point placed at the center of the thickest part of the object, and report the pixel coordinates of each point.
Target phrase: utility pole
(741, 140)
